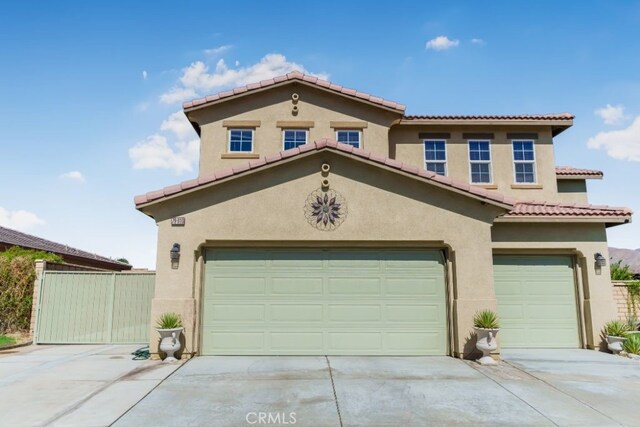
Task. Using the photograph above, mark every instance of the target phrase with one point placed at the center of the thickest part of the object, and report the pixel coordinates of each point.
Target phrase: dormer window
(293, 138)
(524, 161)
(240, 140)
(435, 156)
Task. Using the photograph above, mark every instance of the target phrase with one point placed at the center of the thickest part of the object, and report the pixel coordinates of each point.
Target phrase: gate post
(41, 266)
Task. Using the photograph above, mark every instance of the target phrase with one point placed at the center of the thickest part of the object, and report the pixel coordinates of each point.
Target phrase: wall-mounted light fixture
(174, 254)
(601, 261)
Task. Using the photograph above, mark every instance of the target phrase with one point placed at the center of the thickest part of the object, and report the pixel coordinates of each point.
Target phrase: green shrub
(620, 271)
(17, 274)
(486, 319)
(632, 344)
(616, 328)
(169, 321)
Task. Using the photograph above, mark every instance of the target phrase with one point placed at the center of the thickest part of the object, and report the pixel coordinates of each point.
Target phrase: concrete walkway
(73, 385)
(531, 388)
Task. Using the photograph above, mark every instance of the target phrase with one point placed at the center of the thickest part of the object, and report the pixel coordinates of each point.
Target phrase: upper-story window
(293, 138)
(435, 156)
(480, 162)
(240, 140)
(524, 161)
(351, 137)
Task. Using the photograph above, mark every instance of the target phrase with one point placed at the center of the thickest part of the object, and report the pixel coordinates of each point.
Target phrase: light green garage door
(536, 301)
(324, 302)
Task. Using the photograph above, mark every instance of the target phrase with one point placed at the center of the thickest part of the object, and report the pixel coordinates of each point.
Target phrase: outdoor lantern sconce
(601, 261)
(174, 254)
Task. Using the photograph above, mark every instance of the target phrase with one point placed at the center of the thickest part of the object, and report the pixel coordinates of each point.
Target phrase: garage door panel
(359, 302)
(296, 312)
(536, 301)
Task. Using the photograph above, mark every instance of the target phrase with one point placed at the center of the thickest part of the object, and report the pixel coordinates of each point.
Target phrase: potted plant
(486, 327)
(632, 346)
(169, 326)
(615, 331)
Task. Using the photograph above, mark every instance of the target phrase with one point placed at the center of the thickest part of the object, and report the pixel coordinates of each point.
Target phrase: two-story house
(324, 221)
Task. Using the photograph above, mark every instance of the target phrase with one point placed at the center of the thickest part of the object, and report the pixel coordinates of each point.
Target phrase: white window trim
(489, 162)
(351, 130)
(253, 140)
(446, 155)
(306, 134)
(535, 166)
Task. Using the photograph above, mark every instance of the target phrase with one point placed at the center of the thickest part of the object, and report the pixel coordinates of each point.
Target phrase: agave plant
(616, 328)
(169, 321)
(632, 344)
(486, 319)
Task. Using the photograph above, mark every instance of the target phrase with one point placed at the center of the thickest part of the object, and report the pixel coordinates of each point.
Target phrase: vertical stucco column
(473, 289)
(40, 268)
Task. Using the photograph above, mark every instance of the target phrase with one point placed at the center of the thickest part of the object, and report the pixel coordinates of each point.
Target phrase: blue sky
(89, 91)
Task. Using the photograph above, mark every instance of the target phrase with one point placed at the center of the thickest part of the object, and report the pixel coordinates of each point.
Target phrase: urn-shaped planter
(170, 342)
(486, 342)
(614, 343)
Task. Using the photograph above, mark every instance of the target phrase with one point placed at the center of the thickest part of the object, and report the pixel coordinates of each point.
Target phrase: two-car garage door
(333, 302)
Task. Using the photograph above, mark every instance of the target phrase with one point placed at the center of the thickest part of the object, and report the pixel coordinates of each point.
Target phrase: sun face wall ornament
(325, 209)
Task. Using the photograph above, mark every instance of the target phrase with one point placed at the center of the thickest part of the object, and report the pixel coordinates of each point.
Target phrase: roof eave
(563, 124)
(578, 177)
(616, 220)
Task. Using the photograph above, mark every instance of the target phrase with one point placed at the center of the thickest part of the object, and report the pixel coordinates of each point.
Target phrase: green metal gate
(94, 308)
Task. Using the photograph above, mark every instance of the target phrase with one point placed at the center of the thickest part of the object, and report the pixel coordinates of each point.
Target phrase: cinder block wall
(621, 302)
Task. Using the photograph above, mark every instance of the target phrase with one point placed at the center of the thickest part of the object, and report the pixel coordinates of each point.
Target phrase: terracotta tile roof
(514, 117)
(17, 238)
(568, 171)
(547, 209)
(517, 208)
(298, 76)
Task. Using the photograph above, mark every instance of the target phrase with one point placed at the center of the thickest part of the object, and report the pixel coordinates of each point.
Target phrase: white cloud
(73, 176)
(179, 125)
(177, 94)
(197, 78)
(441, 43)
(621, 144)
(156, 153)
(144, 75)
(217, 50)
(611, 114)
(19, 220)
(478, 42)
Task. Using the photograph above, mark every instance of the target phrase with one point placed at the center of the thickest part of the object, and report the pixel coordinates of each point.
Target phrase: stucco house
(325, 221)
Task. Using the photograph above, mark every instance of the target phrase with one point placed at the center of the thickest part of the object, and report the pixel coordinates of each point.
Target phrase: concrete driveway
(531, 388)
(73, 385)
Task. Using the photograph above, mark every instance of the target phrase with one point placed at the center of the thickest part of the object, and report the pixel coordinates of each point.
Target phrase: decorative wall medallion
(325, 209)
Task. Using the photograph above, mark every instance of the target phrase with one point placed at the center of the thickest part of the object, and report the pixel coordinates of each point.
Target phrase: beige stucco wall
(384, 210)
(275, 105)
(408, 147)
(580, 239)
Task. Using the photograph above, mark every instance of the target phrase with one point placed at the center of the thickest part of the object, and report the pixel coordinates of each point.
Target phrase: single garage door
(324, 302)
(536, 301)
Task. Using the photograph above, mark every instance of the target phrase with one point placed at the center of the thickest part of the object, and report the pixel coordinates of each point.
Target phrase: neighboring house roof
(17, 238)
(294, 76)
(515, 207)
(568, 172)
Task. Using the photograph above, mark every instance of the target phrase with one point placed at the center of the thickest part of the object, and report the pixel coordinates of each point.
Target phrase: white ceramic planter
(614, 344)
(486, 343)
(170, 342)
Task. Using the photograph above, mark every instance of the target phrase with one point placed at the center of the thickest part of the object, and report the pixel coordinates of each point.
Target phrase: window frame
(253, 140)
(446, 156)
(489, 162)
(306, 136)
(533, 162)
(358, 131)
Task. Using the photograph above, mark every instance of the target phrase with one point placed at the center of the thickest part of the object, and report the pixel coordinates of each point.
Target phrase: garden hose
(141, 354)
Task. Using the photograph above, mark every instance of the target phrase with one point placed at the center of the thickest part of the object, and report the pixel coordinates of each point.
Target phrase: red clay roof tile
(568, 171)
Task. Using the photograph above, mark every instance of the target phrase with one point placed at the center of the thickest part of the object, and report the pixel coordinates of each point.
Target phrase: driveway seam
(513, 394)
(148, 393)
(333, 386)
(562, 391)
